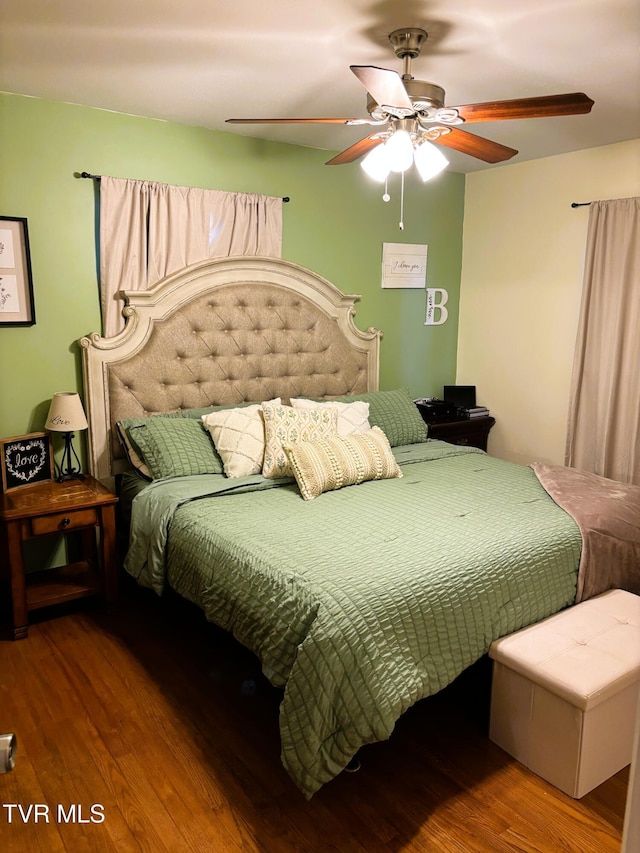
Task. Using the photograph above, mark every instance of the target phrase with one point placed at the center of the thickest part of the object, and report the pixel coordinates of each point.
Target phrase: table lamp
(66, 415)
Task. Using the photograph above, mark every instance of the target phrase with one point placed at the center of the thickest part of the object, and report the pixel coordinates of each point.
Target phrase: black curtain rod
(285, 198)
(580, 203)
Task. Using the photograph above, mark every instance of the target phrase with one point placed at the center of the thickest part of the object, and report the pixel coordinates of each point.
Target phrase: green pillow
(127, 431)
(395, 413)
(176, 447)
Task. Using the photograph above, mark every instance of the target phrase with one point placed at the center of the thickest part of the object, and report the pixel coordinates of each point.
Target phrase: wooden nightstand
(50, 508)
(472, 432)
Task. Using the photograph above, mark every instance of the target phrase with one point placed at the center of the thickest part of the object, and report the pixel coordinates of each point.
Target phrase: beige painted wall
(522, 267)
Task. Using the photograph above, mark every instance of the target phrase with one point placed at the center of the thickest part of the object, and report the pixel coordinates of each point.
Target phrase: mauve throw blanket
(608, 515)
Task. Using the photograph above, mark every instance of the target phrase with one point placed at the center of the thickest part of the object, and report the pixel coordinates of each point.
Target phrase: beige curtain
(150, 230)
(603, 434)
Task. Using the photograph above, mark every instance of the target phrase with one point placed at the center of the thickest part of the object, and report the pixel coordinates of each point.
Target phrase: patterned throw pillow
(238, 435)
(337, 461)
(176, 447)
(286, 425)
(352, 417)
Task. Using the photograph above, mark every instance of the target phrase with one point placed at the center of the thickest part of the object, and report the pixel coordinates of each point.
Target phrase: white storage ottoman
(565, 692)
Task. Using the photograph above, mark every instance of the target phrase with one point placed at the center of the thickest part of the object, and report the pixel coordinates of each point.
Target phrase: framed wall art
(16, 285)
(25, 460)
(404, 265)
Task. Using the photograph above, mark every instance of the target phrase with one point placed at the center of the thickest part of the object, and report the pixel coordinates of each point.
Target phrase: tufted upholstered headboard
(219, 332)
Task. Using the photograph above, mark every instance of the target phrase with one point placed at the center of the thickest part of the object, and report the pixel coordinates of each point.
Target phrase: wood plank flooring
(166, 727)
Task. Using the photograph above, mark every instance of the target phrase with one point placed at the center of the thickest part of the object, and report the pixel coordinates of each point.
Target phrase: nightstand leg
(17, 582)
(109, 561)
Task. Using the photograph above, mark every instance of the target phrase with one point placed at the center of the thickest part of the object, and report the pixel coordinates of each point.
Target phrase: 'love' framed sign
(25, 460)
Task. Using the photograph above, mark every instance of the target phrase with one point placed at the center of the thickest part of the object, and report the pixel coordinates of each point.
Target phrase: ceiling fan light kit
(400, 150)
(413, 115)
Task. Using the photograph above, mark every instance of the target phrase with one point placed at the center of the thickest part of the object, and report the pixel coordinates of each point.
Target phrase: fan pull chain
(401, 223)
(386, 196)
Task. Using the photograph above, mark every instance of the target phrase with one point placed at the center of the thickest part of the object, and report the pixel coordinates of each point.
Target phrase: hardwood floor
(167, 729)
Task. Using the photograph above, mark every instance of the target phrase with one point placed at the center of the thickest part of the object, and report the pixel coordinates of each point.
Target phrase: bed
(360, 599)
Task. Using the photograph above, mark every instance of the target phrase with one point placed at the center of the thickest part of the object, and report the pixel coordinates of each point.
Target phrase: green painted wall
(335, 224)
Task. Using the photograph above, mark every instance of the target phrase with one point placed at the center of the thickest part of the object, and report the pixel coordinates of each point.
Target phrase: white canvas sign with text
(404, 265)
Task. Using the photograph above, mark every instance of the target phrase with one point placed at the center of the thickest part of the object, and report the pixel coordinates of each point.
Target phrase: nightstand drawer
(472, 432)
(60, 522)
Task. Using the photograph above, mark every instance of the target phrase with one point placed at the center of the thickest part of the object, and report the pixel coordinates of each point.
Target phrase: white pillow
(352, 417)
(238, 435)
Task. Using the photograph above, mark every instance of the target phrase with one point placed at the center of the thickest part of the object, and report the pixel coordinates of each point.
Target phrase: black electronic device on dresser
(457, 419)
(434, 410)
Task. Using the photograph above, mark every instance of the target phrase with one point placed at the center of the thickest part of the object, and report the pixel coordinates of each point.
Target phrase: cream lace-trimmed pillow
(238, 435)
(285, 425)
(331, 463)
(352, 417)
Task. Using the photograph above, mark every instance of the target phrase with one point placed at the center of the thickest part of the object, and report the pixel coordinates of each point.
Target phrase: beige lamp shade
(66, 413)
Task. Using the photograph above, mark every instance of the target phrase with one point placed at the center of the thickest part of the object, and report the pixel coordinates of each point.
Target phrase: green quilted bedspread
(366, 599)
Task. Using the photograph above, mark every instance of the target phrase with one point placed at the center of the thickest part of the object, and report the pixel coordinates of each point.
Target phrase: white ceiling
(201, 61)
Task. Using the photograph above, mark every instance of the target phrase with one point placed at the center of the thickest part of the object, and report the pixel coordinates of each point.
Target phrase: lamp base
(69, 470)
(77, 475)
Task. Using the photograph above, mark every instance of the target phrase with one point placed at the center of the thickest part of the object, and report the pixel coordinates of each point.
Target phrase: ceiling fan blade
(384, 86)
(575, 103)
(292, 120)
(476, 146)
(355, 151)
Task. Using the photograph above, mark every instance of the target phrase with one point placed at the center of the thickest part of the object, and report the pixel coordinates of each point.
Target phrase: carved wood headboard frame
(220, 332)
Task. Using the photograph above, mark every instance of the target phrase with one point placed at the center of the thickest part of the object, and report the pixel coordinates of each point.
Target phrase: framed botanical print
(16, 284)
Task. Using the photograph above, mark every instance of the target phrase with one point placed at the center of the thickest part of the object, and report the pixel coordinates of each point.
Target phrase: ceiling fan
(401, 103)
